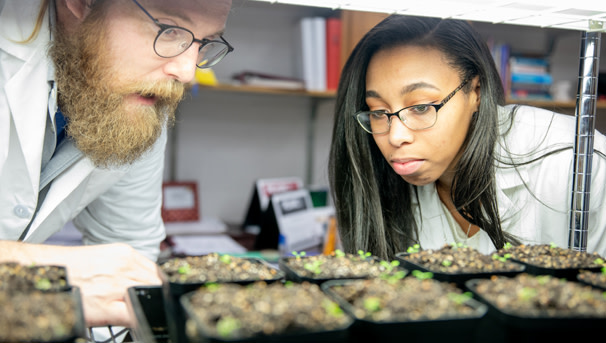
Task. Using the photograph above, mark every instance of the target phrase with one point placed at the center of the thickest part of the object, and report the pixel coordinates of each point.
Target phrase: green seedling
(599, 261)
(389, 274)
(225, 259)
(552, 245)
(298, 255)
(413, 249)
(447, 263)
(389, 266)
(604, 270)
(372, 304)
(457, 245)
(363, 255)
(332, 308)
(314, 267)
(508, 245)
(226, 326)
(422, 275)
(339, 253)
(184, 269)
(503, 258)
(43, 284)
(212, 287)
(459, 298)
(393, 277)
(527, 293)
(543, 279)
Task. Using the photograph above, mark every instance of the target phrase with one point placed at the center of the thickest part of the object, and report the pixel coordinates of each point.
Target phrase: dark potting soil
(453, 258)
(215, 268)
(550, 256)
(20, 278)
(408, 299)
(542, 296)
(339, 266)
(231, 311)
(597, 279)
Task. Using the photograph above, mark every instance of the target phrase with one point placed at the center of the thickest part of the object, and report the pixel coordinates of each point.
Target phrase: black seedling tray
(513, 327)
(562, 273)
(172, 292)
(204, 335)
(294, 276)
(458, 278)
(147, 307)
(78, 331)
(439, 330)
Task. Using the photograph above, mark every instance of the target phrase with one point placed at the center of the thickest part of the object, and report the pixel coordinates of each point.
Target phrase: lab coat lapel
(27, 111)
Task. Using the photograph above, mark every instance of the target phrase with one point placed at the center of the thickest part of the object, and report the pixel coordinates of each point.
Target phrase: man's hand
(104, 273)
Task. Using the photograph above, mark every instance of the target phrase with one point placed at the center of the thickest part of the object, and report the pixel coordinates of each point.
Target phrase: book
(312, 52)
(251, 78)
(306, 52)
(333, 52)
(319, 53)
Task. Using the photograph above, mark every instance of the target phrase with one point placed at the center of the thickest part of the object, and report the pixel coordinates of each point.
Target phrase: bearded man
(87, 90)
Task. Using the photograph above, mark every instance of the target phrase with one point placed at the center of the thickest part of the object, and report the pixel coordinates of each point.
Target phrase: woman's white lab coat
(534, 199)
(106, 205)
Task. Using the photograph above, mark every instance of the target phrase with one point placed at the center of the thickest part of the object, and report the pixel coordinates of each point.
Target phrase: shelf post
(311, 128)
(583, 147)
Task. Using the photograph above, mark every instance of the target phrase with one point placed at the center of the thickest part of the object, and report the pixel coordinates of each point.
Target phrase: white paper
(201, 245)
(178, 197)
(206, 225)
(296, 220)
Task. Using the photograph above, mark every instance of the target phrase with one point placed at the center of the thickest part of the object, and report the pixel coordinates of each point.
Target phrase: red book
(333, 52)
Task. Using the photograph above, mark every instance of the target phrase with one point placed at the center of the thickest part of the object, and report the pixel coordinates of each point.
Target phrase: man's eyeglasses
(416, 117)
(173, 40)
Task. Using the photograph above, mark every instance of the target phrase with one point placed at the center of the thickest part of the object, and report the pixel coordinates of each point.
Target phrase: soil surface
(542, 296)
(453, 258)
(20, 278)
(217, 268)
(37, 317)
(408, 299)
(597, 279)
(549, 256)
(340, 266)
(231, 311)
(37, 305)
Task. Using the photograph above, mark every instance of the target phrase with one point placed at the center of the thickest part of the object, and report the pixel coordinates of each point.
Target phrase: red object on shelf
(333, 52)
(180, 202)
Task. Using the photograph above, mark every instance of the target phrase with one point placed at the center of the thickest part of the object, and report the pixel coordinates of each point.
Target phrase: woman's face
(409, 75)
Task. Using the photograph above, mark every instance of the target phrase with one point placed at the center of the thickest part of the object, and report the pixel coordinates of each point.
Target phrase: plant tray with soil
(595, 279)
(146, 305)
(457, 263)
(548, 259)
(185, 274)
(38, 305)
(262, 312)
(339, 265)
(22, 278)
(542, 307)
(409, 309)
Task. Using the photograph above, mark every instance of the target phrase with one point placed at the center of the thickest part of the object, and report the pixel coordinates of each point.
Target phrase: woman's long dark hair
(374, 205)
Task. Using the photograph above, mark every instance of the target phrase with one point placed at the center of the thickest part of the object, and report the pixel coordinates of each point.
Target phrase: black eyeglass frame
(203, 42)
(437, 106)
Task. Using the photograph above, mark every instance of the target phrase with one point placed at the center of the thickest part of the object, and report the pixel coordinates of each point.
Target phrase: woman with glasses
(425, 151)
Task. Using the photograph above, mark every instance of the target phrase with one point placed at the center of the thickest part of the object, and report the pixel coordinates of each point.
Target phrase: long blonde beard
(104, 127)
